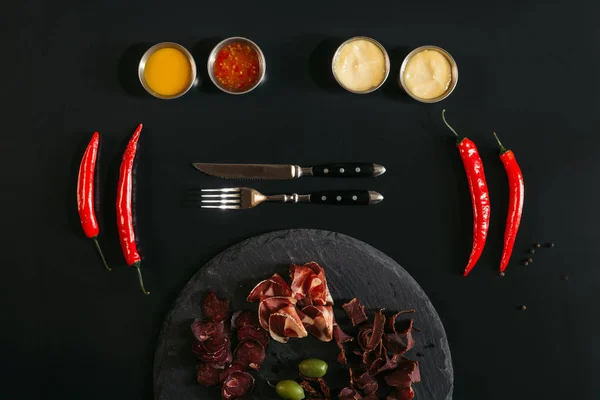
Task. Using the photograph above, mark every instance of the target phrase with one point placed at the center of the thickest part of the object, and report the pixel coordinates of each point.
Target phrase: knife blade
(288, 171)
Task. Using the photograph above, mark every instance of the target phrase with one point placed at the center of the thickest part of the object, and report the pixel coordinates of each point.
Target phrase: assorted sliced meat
(216, 364)
(295, 310)
(381, 345)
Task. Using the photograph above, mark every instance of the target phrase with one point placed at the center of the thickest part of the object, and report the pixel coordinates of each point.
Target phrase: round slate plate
(353, 268)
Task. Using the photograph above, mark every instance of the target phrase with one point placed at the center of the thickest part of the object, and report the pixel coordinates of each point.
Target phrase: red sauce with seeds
(237, 67)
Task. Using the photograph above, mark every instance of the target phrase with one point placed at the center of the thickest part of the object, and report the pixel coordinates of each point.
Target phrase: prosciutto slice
(322, 322)
(274, 286)
(310, 285)
(285, 324)
(271, 305)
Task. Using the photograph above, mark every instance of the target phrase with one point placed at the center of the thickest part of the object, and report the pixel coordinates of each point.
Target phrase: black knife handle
(348, 170)
(346, 197)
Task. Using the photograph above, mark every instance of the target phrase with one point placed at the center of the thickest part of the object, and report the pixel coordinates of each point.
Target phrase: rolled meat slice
(285, 324)
(271, 305)
(322, 324)
(274, 286)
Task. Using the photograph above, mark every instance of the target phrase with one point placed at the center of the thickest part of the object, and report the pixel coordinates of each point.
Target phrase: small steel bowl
(152, 50)
(236, 39)
(376, 43)
(453, 80)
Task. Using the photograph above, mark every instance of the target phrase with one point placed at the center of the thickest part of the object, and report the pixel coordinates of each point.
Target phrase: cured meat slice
(404, 327)
(224, 373)
(303, 280)
(401, 340)
(369, 336)
(243, 318)
(237, 385)
(215, 308)
(285, 324)
(402, 394)
(309, 389)
(250, 332)
(367, 383)
(320, 296)
(274, 286)
(348, 393)
(340, 338)
(249, 353)
(355, 311)
(206, 375)
(322, 322)
(204, 330)
(271, 305)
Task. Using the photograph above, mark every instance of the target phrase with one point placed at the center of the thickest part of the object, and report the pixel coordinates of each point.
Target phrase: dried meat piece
(285, 324)
(340, 338)
(224, 373)
(258, 334)
(309, 389)
(324, 388)
(243, 318)
(322, 322)
(249, 353)
(355, 311)
(382, 364)
(217, 359)
(237, 385)
(204, 330)
(392, 322)
(271, 305)
(398, 344)
(402, 394)
(215, 308)
(206, 375)
(349, 393)
(378, 326)
(367, 383)
(274, 286)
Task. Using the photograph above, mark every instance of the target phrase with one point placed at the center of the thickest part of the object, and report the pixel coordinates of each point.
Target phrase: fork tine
(221, 201)
(222, 190)
(222, 196)
(223, 207)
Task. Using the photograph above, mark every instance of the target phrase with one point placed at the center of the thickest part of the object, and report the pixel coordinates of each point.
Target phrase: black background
(529, 72)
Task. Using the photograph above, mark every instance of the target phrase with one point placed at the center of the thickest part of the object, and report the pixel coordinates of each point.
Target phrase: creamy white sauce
(428, 74)
(360, 65)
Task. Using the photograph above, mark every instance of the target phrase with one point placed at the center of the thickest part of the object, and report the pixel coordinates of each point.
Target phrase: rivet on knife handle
(349, 170)
(346, 197)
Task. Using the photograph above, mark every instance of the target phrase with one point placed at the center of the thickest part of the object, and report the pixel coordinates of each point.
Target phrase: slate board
(353, 268)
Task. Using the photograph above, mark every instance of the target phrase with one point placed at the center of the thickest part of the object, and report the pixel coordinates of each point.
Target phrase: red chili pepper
(480, 196)
(86, 193)
(516, 199)
(124, 208)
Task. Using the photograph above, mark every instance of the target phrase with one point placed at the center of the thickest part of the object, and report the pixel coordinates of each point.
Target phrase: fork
(242, 198)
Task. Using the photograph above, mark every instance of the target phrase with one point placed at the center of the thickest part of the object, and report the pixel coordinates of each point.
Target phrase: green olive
(313, 368)
(290, 390)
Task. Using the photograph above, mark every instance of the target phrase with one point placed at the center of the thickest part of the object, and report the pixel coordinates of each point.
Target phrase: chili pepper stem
(139, 272)
(101, 254)
(502, 148)
(458, 137)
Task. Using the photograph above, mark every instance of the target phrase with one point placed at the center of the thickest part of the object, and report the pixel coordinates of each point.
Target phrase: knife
(284, 171)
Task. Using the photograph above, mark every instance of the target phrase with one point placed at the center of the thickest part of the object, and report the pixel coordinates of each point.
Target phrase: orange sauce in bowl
(168, 72)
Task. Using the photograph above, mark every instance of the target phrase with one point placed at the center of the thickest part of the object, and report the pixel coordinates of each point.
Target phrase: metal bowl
(376, 43)
(152, 50)
(236, 39)
(453, 79)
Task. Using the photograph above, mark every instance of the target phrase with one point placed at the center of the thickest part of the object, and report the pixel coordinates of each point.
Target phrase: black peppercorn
(549, 244)
(526, 263)
(537, 245)
(501, 273)
(523, 307)
(531, 251)
(530, 260)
